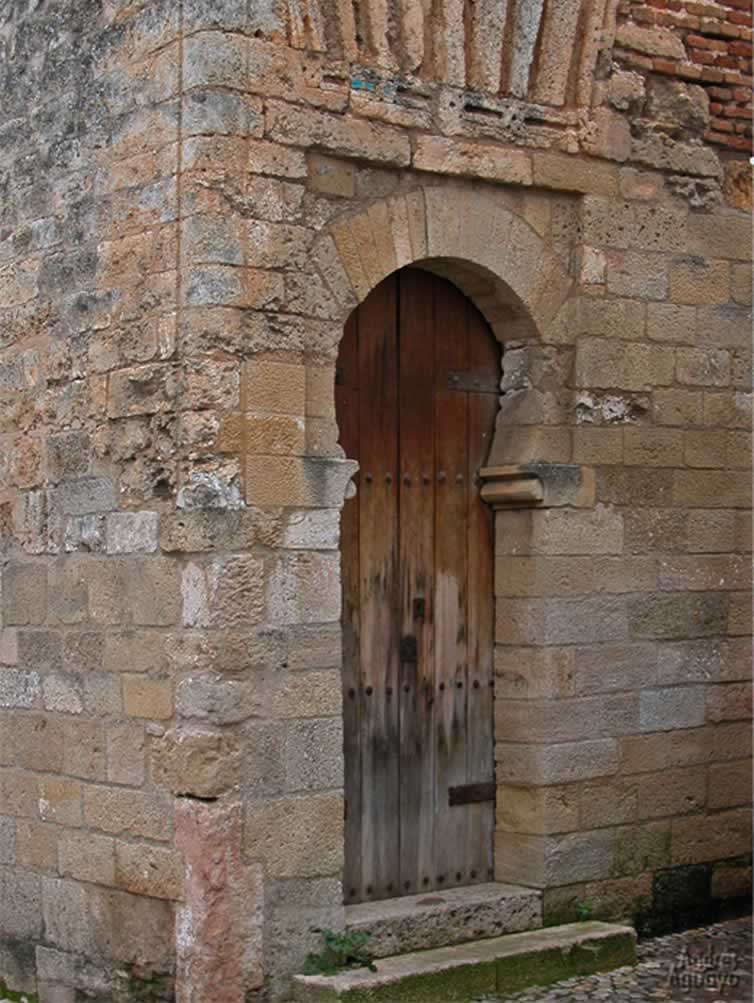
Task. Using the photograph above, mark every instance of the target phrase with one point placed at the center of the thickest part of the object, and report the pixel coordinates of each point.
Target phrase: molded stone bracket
(538, 485)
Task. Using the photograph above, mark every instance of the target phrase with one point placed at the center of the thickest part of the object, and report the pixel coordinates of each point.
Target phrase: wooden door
(417, 394)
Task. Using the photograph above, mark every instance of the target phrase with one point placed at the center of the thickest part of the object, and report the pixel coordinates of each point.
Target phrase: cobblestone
(711, 964)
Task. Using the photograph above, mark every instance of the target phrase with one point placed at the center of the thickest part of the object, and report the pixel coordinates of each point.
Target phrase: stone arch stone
(490, 252)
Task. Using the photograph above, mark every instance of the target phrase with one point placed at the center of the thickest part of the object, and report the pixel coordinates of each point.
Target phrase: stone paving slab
(710, 964)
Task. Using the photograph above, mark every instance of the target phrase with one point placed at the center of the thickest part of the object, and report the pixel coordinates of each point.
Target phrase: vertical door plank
(451, 585)
(417, 324)
(484, 352)
(378, 535)
(347, 411)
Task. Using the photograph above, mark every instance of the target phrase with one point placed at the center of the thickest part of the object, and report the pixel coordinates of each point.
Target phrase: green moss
(541, 968)
(150, 988)
(459, 984)
(7, 994)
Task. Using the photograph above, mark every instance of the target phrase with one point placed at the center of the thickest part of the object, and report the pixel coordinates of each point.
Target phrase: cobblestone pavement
(712, 964)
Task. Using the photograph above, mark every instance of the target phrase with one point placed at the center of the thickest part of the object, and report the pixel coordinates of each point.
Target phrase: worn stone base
(421, 922)
(505, 964)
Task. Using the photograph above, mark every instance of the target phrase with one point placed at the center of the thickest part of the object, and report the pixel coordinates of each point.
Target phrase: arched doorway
(417, 391)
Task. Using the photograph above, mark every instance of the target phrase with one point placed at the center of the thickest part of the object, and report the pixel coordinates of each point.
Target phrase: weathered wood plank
(417, 329)
(451, 573)
(378, 556)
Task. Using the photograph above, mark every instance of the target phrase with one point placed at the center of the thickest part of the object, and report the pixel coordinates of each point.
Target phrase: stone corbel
(538, 485)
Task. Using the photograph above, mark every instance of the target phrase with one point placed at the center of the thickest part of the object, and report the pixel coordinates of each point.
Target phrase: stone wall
(195, 195)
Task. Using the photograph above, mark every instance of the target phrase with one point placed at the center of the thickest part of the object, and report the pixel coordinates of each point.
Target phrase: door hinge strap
(471, 793)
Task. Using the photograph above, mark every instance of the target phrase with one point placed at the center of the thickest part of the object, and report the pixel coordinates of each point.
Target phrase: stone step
(441, 919)
(501, 965)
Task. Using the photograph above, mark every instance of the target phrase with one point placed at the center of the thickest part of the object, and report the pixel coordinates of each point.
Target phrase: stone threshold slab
(502, 965)
(442, 919)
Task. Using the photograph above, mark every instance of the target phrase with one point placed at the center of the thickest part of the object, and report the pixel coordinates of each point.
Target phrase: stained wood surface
(417, 555)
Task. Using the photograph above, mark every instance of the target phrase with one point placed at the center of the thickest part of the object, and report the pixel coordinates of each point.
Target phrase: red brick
(740, 48)
(712, 75)
(737, 17)
(721, 124)
(699, 42)
(700, 56)
(732, 111)
(725, 94)
(738, 4)
(727, 61)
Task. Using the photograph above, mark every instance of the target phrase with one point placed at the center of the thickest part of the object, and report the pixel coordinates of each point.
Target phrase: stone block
(19, 689)
(585, 619)
(443, 155)
(641, 848)
(274, 387)
(704, 448)
(711, 489)
(37, 846)
(729, 702)
(566, 720)
(66, 915)
(653, 447)
(678, 407)
(119, 811)
(141, 390)
(630, 273)
(153, 592)
(148, 698)
(705, 573)
(91, 495)
(688, 662)
(132, 532)
(608, 802)
(604, 363)
(699, 281)
(673, 792)
(305, 588)
(597, 446)
(655, 530)
(296, 836)
(20, 904)
(222, 910)
(602, 668)
(197, 764)
(62, 693)
(330, 176)
(87, 856)
(314, 755)
(671, 708)
(132, 929)
(528, 673)
(349, 137)
(568, 762)
(727, 326)
(24, 594)
(670, 322)
(699, 838)
(272, 435)
(576, 174)
(126, 748)
(729, 785)
(60, 801)
(541, 861)
(741, 284)
(84, 755)
(622, 225)
(151, 871)
(677, 615)
(20, 791)
(730, 237)
(537, 810)
(612, 318)
(569, 531)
